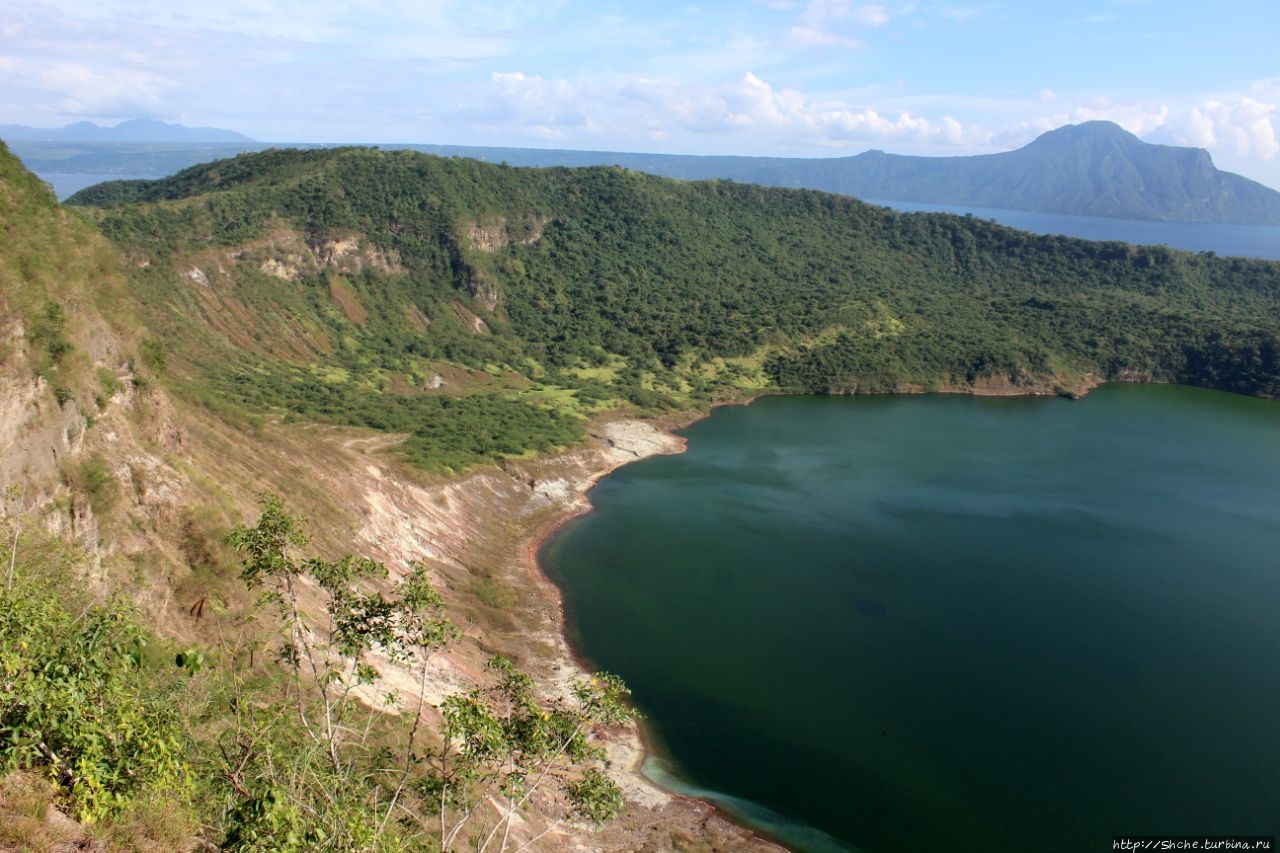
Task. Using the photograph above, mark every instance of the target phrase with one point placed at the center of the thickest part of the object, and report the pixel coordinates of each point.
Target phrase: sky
(757, 77)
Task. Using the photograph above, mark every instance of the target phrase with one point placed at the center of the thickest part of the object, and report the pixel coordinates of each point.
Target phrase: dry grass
(152, 826)
(29, 820)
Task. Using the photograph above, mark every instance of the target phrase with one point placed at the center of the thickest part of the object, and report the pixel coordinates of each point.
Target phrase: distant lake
(1247, 241)
(67, 184)
(952, 623)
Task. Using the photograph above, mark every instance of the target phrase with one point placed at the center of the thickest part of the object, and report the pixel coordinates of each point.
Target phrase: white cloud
(550, 106)
(832, 23)
(1234, 123)
(587, 75)
(869, 16)
(1192, 128)
(298, 69)
(826, 12)
(91, 92)
(749, 106)
(1140, 118)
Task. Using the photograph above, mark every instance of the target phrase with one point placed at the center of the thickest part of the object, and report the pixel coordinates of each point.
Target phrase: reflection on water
(947, 622)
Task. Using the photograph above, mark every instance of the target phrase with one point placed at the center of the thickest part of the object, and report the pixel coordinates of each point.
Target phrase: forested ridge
(552, 294)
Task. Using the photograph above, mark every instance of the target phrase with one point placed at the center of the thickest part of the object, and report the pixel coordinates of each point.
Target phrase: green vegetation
(486, 313)
(82, 697)
(48, 333)
(58, 277)
(305, 781)
(289, 750)
(89, 478)
(446, 432)
(554, 294)
(108, 385)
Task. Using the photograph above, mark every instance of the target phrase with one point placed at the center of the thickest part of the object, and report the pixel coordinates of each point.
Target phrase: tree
(306, 776)
(501, 745)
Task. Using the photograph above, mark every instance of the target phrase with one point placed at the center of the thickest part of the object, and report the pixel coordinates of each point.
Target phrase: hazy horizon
(780, 78)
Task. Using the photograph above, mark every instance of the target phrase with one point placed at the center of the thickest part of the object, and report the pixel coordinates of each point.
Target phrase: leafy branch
(335, 786)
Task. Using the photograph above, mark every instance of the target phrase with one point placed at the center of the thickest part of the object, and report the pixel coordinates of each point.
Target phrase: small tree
(340, 801)
(13, 495)
(306, 777)
(502, 745)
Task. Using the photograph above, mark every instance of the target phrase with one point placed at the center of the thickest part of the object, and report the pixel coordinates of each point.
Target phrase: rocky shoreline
(500, 518)
(619, 443)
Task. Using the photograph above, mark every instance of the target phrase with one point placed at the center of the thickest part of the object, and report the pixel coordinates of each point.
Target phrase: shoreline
(639, 753)
(485, 528)
(670, 444)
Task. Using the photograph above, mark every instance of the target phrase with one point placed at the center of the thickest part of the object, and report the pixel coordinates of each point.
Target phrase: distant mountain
(1091, 169)
(135, 130)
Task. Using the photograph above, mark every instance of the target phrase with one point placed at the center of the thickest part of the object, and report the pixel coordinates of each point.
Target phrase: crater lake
(905, 623)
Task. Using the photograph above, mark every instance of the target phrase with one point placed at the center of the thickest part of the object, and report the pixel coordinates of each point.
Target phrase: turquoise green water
(952, 623)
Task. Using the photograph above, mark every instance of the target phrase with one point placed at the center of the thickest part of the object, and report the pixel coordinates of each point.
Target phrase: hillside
(1091, 169)
(144, 689)
(487, 309)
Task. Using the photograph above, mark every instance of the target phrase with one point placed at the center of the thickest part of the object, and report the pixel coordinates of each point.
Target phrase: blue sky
(763, 77)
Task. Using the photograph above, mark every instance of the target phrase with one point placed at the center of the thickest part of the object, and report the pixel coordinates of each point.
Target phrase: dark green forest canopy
(608, 285)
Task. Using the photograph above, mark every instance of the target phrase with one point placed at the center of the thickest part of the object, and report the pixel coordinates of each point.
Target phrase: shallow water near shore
(946, 622)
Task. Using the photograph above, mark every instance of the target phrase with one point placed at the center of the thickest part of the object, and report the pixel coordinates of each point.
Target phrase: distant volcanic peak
(130, 130)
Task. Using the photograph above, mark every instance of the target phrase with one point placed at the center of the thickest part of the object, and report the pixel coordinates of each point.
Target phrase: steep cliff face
(61, 364)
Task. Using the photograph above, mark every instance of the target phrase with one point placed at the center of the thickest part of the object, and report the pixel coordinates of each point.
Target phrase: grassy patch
(493, 594)
(91, 478)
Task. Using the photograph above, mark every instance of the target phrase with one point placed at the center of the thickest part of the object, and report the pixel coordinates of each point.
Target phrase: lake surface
(952, 623)
(1246, 241)
(67, 184)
